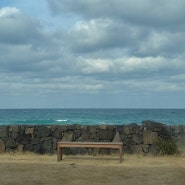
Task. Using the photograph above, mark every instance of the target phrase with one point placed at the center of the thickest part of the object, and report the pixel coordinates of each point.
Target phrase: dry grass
(19, 169)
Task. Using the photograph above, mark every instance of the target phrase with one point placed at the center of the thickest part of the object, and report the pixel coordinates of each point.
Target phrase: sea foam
(61, 120)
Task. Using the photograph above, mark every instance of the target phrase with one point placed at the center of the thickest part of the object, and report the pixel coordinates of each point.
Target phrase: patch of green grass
(167, 146)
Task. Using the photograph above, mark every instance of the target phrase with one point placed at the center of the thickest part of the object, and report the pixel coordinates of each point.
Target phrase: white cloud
(8, 12)
(129, 65)
(90, 66)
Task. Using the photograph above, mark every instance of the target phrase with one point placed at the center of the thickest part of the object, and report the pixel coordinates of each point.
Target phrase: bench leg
(59, 153)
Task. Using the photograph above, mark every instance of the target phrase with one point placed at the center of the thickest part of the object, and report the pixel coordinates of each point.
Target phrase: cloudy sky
(92, 53)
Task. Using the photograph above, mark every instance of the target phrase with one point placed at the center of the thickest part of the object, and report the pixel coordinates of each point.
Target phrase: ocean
(90, 116)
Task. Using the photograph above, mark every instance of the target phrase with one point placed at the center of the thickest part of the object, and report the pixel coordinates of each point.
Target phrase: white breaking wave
(61, 120)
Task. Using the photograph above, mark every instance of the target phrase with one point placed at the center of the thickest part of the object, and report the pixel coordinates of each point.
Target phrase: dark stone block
(85, 134)
(153, 126)
(106, 135)
(46, 147)
(37, 148)
(77, 127)
(43, 131)
(3, 131)
(2, 146)
(10, 143)
(123, 138)
(64, 128)
(24, 138)
(137, 139)
(77, 134)
(58, 133)
(14, 135)
(70, 127)
(14, 128)
(129, 142)
(43, 139)
(28, 147)
(156, 127)
(92, 129)
(35, 141)
(55, 144)
(120, 129)
(131, 129)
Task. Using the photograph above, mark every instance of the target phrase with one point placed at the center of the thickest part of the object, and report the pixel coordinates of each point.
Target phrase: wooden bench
(61, 145)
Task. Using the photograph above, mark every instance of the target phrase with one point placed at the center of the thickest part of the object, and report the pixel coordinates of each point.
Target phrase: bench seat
(61, 145)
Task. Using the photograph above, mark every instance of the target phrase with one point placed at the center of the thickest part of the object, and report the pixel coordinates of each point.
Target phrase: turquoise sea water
(90, 116)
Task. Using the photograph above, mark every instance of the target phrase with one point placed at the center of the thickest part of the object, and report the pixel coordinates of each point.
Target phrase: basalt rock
(149, 137)
(3, 131)
(10, 143)
(2, 146)
(43, 131)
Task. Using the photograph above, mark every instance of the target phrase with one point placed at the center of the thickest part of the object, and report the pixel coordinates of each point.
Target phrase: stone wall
(43, 139)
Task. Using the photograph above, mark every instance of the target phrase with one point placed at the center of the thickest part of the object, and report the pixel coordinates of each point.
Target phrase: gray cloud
(141, 28)
(103, 34)
(112, 48)
(153, 13)
(18, 28)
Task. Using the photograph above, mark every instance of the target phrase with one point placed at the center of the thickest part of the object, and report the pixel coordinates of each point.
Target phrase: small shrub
(166, 146)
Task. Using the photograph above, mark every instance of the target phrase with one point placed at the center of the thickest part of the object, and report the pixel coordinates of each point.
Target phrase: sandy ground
(19, 169)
